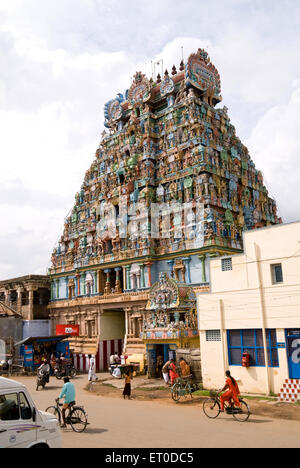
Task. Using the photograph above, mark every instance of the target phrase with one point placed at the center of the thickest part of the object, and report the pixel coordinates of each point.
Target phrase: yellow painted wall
(112, 325)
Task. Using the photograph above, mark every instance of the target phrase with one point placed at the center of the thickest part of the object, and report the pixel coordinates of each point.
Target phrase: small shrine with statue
(170, 320)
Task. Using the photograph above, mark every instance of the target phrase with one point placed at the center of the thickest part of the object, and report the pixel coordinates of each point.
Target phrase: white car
(22, 425)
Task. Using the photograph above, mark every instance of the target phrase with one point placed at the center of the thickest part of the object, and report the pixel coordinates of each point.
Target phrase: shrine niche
(167, 86)
(171, 311)
(113, 110)
(139, 90)
(170, 321)
(202, 74)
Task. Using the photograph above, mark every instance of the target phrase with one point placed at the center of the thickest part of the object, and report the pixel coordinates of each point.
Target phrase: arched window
(89, 282)
(71, 289)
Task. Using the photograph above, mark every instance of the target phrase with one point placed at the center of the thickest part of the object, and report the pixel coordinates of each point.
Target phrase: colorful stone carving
(167, 143)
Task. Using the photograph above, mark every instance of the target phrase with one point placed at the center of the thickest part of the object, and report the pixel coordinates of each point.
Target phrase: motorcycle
(42, 380)
(68, 371)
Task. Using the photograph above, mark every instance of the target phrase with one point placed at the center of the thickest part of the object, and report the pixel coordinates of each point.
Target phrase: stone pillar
(107, 289)
(78, 284)
(95, 282)
(186, 262)
(149, 265)
(67, 287)
(19, 300)
(142, 269)
(171, 266)
(138, 280)
(140, 320)
(84, 284)
(6, 297)
(118, 282)
(57, 289)
(203, 259)
(31, 297)
(128, 280)
(128, 311)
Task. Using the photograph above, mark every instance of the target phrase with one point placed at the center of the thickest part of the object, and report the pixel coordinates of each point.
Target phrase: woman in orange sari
(173, 371)
(232, 393)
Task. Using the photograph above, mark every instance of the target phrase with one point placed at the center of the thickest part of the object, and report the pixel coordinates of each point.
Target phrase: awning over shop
(42, 339)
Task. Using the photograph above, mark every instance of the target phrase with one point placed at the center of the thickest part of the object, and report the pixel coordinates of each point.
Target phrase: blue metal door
(293, 345)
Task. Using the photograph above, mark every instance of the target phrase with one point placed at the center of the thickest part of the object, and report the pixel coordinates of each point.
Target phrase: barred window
(251, 342)
(213, 335)
(226, 264)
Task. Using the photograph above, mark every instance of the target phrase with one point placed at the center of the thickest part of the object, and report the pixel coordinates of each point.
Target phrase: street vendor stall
(35, 349)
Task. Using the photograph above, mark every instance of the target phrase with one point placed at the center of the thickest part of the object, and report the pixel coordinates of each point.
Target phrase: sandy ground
(157, 422)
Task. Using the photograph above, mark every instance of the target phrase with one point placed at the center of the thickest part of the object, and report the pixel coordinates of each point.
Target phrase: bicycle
(181, 388)
(212, 408)
(77, 418)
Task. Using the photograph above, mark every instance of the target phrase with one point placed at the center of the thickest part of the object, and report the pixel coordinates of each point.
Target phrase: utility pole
(263, 313)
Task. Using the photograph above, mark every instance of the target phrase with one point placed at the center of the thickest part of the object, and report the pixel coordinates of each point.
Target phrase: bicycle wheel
(211, 408)
(188, 390)
(242, 413)
(53, 410)
(176, 392)
(78, 419)
(73, 373)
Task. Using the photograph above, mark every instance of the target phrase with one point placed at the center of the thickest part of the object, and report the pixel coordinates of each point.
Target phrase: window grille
(213, 335)
(226, 264)
(251, 342)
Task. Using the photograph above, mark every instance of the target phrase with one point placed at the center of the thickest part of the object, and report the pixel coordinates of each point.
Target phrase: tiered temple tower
(170, 186)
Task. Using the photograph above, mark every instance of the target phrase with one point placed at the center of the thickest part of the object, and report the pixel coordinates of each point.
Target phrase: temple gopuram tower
(171, 186)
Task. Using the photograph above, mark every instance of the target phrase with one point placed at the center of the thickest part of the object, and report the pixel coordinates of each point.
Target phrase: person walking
(127, 388)
(92, 369)
(165, 372)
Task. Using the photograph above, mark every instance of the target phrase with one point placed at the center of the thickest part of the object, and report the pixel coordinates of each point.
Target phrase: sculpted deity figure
(173, 190)
(205, 182)
(241, 220)
(224, 190)
(116, 243)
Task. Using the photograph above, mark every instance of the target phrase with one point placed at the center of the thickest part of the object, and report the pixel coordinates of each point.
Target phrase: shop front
(35, 349)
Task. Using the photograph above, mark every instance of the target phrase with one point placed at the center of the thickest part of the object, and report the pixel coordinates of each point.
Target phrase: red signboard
(72, 330)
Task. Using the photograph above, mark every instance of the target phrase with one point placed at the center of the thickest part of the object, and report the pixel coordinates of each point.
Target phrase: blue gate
(293, 349)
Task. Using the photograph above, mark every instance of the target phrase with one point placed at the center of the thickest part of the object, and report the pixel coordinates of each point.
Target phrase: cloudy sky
(62, 60)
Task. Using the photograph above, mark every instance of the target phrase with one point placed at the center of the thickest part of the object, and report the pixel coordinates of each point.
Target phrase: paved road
(115, 423)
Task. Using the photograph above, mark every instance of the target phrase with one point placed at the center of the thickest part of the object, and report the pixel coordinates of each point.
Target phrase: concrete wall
(33, 328)
(11, 327)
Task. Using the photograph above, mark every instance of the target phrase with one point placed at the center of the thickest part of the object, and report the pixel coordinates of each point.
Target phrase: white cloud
(61, 61)
(275, 142)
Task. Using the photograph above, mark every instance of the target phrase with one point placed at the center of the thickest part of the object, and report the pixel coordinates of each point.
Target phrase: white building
(254, 307)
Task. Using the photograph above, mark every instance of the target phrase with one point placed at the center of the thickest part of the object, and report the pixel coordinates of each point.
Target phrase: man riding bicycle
(232, 393)
(68, 392)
